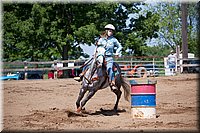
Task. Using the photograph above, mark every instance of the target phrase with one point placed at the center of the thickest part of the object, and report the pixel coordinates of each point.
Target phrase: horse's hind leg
(118, 93)
(80, 96)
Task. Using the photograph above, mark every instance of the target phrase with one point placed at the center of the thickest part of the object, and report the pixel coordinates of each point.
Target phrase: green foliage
(193, 46)
(159, 50)
(42, 31)
(86, 33)
(170, 25)
(140, 30)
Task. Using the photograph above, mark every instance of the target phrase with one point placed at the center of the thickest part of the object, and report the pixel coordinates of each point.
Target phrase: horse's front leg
(89, 95)
(80, 96)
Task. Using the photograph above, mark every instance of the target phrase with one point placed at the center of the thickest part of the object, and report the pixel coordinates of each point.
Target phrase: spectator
(172, 61)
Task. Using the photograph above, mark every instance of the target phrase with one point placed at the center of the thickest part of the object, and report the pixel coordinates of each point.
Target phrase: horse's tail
(126, 88)
(124, 84)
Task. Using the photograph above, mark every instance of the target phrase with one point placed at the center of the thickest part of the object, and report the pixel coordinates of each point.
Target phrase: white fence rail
(153, 65)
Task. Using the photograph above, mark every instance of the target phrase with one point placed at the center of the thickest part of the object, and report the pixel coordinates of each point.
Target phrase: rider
(109, 42)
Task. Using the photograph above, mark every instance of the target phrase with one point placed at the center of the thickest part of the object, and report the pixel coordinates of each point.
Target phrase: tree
(143, 28)
(135, 34)
(51, 29)
(192, 28)
(198, 27)
(184, 30)
(42, 31)
(158, 50)
(170, 24)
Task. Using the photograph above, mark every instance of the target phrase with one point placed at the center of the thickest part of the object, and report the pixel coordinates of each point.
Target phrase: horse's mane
(103, 34)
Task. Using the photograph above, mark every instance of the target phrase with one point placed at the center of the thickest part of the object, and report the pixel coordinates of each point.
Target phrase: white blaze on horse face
(100, 54)
(100, 59)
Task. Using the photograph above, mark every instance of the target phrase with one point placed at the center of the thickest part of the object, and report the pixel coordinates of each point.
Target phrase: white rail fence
(154, 66)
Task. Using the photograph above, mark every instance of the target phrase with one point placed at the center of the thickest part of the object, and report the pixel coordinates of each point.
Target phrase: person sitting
(109, 42)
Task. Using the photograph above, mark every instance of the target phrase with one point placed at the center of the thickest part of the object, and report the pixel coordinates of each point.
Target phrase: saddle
(116, 70)
(97, 61)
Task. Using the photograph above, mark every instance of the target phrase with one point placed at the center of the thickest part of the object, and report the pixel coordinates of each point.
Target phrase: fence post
(153, 67)
(25, 70)
(153, 62)
(178, 68)
(131, 63)
(55, 69)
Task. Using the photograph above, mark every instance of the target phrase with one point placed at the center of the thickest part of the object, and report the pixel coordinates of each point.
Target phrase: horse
(96, 78)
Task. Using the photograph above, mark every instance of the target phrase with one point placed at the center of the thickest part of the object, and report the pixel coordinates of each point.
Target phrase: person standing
(172, 61)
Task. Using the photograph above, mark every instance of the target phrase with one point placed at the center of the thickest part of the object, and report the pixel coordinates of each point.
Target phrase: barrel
(143, 99)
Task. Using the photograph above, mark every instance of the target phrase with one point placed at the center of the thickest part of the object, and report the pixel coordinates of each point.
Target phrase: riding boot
(79, 78)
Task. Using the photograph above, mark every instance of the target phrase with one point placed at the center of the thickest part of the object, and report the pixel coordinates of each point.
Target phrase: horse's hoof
(78, 110)
(115, 110)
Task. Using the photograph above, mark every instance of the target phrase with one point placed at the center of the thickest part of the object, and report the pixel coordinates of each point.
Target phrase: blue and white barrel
(143, 100)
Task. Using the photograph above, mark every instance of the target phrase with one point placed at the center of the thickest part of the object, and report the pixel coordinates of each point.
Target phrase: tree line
(48, 31)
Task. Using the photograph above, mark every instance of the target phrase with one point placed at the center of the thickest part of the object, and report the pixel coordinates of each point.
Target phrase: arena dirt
(49, 105)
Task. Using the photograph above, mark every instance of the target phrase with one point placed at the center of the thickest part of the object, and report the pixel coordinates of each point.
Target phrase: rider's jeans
(109, 61)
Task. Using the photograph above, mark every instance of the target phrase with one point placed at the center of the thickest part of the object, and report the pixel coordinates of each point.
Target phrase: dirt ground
(49, 105)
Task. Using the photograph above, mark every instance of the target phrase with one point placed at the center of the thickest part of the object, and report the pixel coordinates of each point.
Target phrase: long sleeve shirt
(109, 44)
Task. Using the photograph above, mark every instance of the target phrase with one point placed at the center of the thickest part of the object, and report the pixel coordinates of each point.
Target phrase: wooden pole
(178, 59)
(184, 30)
(198, 30)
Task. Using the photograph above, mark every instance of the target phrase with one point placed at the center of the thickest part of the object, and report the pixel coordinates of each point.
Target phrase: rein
(92, 73)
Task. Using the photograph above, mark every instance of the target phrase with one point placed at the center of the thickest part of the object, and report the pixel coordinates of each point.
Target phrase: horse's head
(97, 67)
(100, 56)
